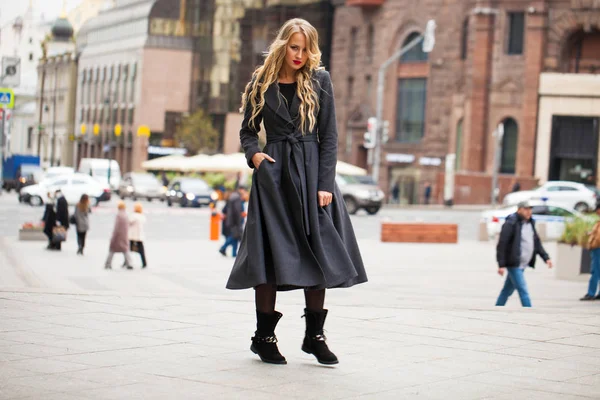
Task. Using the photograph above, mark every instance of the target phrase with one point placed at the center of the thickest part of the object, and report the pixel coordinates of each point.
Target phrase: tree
(197, 134)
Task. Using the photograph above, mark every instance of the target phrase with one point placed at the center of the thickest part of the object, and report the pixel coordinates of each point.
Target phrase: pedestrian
(49, 219)
(594, 247)
(298, 234)
(137, 233)
(234, 220)
(119, 242)
(165, 180)
(516, 186)
(427, 192)
(518, 246)
(82, 222)
(396, 193)
(62, 215)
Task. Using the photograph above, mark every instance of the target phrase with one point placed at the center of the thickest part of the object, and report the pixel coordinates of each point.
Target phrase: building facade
(134, 76)
(509, 62)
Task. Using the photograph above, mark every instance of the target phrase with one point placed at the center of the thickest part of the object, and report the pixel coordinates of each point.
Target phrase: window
(352, 47)
(416, 53)
(130, 119)
(464, 40)
(516, 30)
(559, 212)
(369, 84)
(29, 136)
(566, 189)
(540, 210)
(509, 146)
(30, 56)
(459, 139)
(370, 43)
(410, 121)
(78, 182)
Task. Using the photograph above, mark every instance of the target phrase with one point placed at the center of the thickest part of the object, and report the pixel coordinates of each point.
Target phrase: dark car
(190, 192)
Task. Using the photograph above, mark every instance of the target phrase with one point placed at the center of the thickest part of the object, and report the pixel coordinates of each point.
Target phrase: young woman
(298, 234)
(82, 223)
(137, 232)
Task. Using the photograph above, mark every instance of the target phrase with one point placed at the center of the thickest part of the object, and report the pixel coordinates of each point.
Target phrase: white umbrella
(166, 163)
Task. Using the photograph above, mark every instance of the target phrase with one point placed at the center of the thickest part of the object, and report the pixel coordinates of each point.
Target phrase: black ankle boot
(314, 339)
(264, 342)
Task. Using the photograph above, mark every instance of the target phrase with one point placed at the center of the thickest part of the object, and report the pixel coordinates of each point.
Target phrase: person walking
(594, 247)
(234, 221)
(396, 193)
(62, 215)
(427, 193)
(82, 222)
(49, 219)
(137, 233)
(119, 242)
(517, 248)
(298, 233)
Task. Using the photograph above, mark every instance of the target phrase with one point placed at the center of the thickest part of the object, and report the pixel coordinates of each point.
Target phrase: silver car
(360, 192)
(141, 185)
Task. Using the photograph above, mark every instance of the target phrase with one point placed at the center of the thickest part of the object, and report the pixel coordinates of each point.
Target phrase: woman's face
(296, 55)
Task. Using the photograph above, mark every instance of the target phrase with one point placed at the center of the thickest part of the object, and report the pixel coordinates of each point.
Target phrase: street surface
(423, 327)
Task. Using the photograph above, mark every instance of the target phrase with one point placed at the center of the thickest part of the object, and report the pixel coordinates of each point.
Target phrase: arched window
(459, 139)
(509, 146)
(415, 54)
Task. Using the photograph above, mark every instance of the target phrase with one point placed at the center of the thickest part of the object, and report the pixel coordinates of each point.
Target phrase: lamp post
(498, 134)
(53, 142)
(428, 39)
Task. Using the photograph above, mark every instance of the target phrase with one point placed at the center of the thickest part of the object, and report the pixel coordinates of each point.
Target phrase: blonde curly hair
(268, 73)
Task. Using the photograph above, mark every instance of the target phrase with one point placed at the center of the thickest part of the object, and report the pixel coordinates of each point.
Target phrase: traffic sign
(7, 98)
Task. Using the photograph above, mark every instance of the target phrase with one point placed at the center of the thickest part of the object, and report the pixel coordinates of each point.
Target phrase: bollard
(215, 219)
(542, 231)
(483, 231)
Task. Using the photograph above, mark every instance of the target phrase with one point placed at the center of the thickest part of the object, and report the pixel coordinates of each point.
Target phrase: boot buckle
(265, 339)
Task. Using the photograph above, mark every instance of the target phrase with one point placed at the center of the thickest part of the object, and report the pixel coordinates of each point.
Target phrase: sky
(9, 9)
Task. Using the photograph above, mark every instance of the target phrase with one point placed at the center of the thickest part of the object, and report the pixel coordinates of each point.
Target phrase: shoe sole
(253, 349)
(307, 351)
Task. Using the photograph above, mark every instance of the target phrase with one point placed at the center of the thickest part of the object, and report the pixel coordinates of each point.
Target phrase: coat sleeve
(503, 243)
(249, 134)
(328, 135)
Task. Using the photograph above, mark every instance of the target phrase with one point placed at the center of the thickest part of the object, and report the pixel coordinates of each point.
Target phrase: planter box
(419, 233)
(32, 235)
(572, 262)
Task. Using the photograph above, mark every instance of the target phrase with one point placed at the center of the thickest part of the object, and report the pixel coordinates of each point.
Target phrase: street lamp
(428, 39)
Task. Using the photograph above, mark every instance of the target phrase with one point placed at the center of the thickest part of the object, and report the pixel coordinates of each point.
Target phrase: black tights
(265, 296)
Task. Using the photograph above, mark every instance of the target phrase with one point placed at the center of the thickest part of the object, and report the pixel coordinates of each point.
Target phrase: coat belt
(294, 173)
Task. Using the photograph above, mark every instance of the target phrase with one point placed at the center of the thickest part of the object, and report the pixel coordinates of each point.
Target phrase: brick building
(531, 65)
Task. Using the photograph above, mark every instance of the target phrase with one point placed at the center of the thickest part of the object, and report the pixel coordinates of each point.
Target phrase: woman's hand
(258, 158)
(325, 198)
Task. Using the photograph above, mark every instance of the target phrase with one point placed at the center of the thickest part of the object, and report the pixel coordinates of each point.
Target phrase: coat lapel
(276, 102)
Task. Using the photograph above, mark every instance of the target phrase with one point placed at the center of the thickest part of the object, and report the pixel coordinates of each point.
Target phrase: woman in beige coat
(119, 242)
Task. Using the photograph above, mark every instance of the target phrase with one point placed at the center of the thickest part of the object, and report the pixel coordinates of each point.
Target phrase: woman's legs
(315, 299)
(264, 297)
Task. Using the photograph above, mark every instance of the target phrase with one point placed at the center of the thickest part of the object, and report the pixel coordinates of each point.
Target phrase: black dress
(289, 240)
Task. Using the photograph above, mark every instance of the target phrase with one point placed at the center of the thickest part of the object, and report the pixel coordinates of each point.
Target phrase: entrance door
(574, 149)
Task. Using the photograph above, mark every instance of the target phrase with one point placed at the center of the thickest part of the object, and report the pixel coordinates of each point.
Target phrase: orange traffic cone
(215, 219)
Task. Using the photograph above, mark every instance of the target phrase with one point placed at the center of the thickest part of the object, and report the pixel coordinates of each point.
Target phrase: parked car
(103, 170)
(360, 192)
(570, 195)
(192, 192)
(53, 172)
(552, 214)
(144, 185)
(72, 186)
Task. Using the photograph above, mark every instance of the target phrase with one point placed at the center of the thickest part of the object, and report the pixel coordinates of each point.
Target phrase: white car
(553, 215)
(53, 172)
(72, 186)
(570, 195)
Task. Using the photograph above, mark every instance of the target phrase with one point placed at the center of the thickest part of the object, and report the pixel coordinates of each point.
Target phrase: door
(574, 149)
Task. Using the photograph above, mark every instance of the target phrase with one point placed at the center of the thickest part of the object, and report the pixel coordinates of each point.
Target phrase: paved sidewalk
(423, 328)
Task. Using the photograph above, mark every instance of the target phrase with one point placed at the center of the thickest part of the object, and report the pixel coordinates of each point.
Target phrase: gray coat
(289, 240)
(82, 219)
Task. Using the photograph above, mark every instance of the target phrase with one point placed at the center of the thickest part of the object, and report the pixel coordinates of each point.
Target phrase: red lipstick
(297, 62)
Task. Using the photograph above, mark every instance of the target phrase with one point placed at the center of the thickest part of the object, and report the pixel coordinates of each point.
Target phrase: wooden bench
(400, 232)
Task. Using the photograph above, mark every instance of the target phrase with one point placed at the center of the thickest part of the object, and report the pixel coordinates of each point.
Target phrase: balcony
(364, 3)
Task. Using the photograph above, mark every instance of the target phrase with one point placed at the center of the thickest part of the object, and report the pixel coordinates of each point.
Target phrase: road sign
(11, 71)
(7, 98)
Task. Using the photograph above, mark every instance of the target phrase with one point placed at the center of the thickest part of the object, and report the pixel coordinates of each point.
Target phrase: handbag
(72, 220)
(134, 247)
(59, 234)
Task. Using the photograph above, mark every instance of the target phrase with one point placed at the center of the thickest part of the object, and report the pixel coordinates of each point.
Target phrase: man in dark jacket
(234, 221)
(62, 213)
(518, 246)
